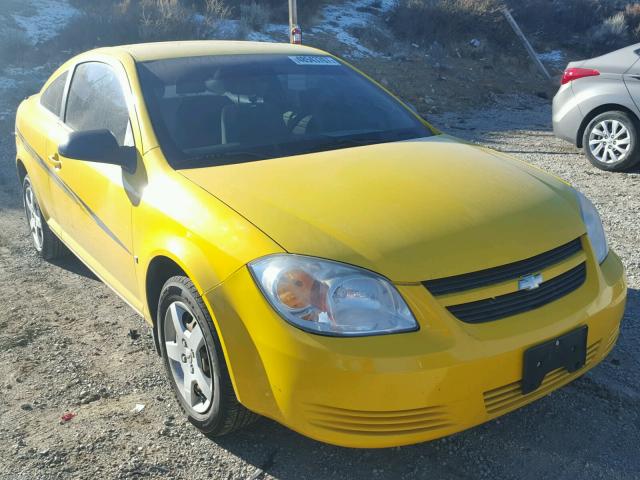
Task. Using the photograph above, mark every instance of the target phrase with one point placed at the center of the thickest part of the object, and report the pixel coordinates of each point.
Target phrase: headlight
(331, 298)
(595, 231)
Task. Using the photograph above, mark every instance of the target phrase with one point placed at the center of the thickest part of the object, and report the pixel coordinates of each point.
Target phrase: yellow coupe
(308, 248)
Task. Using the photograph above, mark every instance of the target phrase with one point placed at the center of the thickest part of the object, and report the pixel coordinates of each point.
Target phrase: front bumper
(405, 388)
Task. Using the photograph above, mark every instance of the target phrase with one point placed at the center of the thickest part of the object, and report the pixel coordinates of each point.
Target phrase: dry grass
(632, 16)
(111, 22)
(426, 21)
(164, 19)
(255, 16)
(131, 21)
(594, 26)
(612, 33)
(13, 46)
(279, 9)
(559, 20)
(216, 9)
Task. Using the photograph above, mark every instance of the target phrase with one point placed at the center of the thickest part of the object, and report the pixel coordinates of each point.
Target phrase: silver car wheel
(188, 356)
(34, 217)
(609, 141)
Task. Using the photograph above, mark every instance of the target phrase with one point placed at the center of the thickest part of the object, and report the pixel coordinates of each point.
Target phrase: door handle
(55, 161)
(635, 77)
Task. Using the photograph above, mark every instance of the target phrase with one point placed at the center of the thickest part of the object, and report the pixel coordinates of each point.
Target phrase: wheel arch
(609, 107)
(22, 170)
(161, 268)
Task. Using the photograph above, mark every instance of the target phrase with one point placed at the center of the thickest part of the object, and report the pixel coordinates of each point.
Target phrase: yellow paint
(411, 211)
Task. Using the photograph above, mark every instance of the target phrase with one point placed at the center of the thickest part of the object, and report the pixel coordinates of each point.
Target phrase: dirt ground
(65, 346)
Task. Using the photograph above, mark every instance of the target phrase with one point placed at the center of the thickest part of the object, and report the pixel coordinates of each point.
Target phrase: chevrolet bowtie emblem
(530, 282)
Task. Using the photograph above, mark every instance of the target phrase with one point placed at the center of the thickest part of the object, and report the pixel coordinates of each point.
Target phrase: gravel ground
(66, 345)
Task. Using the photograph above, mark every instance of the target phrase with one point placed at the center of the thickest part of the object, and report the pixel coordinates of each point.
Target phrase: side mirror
(98, 146)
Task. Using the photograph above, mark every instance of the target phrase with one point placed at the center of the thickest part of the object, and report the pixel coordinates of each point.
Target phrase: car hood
(412, 210)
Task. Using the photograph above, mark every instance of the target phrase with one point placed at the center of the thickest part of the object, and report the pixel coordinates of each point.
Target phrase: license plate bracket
(568, 351)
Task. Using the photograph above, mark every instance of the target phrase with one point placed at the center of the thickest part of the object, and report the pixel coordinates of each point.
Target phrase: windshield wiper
(361, 139)
(223, 158)
(352, 142)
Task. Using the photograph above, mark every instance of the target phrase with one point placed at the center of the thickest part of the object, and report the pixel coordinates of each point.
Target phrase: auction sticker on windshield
(314, 60)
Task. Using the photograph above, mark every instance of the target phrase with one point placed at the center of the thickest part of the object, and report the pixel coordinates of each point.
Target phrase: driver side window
(96, 101)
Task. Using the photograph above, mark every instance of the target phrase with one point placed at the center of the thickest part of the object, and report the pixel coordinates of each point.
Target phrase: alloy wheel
(609, 141)
(188, 357)
(34, 217)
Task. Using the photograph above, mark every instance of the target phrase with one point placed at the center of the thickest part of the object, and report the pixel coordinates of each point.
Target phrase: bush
(102, 23)
(216, 9)
(13, 45)
(611, 34)
(632, 16)
(278, 9)
(446, 20)
(559, 20)
(255, 16)
(164, 20)
(131, 21)
(110, 22)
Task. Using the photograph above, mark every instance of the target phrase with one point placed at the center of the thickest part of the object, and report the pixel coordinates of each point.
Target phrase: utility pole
(525, 43)
(295, 33)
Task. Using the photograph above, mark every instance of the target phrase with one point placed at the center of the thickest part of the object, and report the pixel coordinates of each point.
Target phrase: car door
(632, 81)
(93, 201)
(34, 133)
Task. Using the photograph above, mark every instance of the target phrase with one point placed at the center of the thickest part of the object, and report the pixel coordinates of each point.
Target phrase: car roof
(144, 52)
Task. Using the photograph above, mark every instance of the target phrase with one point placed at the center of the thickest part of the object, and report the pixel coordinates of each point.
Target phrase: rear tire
(194, 361)
(610, 142)
(44, 240)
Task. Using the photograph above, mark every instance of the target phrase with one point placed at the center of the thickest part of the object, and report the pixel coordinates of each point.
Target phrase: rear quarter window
(51, 98)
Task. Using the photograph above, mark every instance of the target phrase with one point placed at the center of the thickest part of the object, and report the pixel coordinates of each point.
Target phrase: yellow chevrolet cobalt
(307, 248)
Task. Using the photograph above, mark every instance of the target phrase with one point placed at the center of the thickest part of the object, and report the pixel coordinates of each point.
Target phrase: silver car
(597, 108)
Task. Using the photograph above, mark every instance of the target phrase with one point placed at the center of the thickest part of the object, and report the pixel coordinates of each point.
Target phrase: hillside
(426, 51)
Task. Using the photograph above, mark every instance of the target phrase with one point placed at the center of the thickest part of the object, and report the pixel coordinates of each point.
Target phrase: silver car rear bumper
(567, 116)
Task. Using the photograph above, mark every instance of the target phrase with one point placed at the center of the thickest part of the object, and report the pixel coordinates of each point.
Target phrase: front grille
(522, 300)
(468, 281)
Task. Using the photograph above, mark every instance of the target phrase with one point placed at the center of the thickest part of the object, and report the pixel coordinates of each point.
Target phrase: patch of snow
(553, 57)
(227, 29)
(23, 72)
(274, 32)
(49, 18)
(340, 19)
(7, 83)
(11, 77)
(337, 20)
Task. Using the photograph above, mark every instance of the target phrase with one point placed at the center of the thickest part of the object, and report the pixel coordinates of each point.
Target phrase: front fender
(206, 238)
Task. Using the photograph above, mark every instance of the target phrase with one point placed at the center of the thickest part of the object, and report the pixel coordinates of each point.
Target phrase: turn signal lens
(571, 74)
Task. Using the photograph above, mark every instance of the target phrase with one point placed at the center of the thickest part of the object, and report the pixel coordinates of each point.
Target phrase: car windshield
(216, 110)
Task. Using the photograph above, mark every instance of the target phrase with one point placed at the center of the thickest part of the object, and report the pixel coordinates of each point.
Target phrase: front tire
(44, 240)
(610, 142)
(195, 363)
